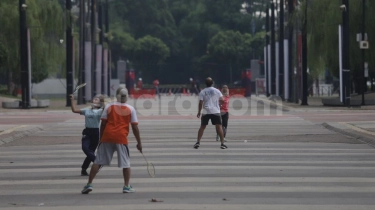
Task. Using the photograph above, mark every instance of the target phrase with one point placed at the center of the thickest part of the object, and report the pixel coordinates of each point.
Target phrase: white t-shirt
(210, 97)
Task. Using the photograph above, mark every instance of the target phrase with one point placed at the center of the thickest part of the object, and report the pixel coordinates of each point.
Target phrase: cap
(122, 95)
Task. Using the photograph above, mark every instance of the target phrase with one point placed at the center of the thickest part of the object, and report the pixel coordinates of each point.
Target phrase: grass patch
(8, 96)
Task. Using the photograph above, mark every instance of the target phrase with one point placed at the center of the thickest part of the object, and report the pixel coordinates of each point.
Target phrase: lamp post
(69, 52)
(267, 60)
(81, 77)
(106, 23)
(93, 48)
(281, 51)
(304, 59)
(363, 83)
(345, 52)
(24, 51)
(290, 49)
(273, 51)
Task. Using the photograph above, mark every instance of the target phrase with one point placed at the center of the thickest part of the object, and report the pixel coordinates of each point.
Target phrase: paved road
(286, 161)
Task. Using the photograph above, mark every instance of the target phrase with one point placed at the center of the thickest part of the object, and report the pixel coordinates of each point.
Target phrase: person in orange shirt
(114, 130)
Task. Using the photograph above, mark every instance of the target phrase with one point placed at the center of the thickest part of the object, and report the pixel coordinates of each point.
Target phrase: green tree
(231, 50)
(44, 20)
(122, 45)
(147, 54)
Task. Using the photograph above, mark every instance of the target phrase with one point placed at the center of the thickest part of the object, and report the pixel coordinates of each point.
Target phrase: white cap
(122, 95)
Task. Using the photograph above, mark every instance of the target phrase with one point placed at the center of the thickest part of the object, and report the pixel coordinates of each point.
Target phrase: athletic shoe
(196, 145)
(84, 173)
(223, 146)
(87, 189)
(129, 189)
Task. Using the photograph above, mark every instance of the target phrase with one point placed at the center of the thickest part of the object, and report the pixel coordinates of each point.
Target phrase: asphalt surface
(280, 156)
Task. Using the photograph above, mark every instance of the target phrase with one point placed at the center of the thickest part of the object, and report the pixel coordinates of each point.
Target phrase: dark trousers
(90, 140)
(224, 122)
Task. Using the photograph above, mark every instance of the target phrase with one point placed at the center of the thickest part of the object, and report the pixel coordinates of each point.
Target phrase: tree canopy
(45, 22)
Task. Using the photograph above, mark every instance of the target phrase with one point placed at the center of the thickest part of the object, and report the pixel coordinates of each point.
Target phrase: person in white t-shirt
(210, 100)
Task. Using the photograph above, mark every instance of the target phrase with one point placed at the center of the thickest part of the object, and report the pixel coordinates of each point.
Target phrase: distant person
(193, 87)
(90, 135)
(114, 130)
(210, 100)
(156, 86)
(198, 85)
(224, 111)
(139, 83)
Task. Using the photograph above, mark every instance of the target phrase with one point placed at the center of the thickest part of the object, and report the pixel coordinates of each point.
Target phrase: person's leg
(126, 173)
(200, 132)
(224, 118)
(104, 157)
(216, 120)
(86, 149)
(94, 141)
(204, 121)
(123, 157)
(94, 170)
(219, 130)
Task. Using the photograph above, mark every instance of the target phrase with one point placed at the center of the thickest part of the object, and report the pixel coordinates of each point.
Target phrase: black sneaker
(223, 146)
(84, 173)
(196, 145)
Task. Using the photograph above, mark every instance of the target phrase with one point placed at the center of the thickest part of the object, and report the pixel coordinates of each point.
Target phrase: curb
(355, 134)
(20, 135)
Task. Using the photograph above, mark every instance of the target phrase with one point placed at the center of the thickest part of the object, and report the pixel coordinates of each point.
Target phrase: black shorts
(215, 119)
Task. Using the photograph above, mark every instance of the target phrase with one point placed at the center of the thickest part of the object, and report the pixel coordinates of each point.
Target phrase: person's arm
(200, 105)
(137, 136)
(73, 106)
(221, 101)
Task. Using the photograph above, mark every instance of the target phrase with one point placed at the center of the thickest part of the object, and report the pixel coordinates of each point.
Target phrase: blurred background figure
(156, 86)
(139, 83)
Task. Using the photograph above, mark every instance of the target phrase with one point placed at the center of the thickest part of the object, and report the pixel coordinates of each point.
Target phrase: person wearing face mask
(224, 111)
(90, 135)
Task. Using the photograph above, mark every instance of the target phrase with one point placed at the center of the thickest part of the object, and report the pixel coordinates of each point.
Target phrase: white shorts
(105, 152)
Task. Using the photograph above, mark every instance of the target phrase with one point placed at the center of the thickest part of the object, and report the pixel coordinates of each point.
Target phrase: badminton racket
(150, 167)
(78, 87)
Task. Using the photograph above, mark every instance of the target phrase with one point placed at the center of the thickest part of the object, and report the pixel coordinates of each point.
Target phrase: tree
(122, 45)
(44, 19)
(231, 50)
(147, 53)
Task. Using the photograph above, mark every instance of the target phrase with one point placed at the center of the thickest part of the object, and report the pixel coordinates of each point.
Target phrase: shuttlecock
(245, 141)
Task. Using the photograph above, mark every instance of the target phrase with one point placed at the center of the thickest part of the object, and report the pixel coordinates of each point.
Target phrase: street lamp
(345, 51)
(69, 52)
(24, 51)
(363, 83)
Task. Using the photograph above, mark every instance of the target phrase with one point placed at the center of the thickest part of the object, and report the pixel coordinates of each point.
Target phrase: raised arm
(73, 106)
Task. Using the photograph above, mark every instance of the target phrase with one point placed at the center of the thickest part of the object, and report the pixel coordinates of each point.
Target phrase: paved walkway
(365, 129)
(295, 165)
